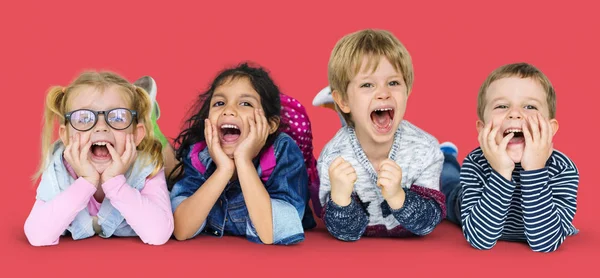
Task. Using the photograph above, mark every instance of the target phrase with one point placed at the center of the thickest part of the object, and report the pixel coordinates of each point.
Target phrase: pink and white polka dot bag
(297, 125)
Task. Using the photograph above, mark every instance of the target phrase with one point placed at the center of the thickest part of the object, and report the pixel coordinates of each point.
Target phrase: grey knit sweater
(420, 158)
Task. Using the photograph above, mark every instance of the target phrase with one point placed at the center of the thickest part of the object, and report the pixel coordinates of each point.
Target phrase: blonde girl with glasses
(104, 175)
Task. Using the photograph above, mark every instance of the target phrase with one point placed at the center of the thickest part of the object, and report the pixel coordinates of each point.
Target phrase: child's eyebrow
(364, 76)
(534, 100)
(394, 76)
(526, 99)
(496, 99)
(219, 94)
(249, 96)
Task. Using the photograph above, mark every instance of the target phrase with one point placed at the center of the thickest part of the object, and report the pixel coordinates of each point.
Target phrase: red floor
(443, 252)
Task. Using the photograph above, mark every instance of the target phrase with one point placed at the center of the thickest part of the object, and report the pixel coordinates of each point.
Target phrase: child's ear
(139, 133)
(63, 134)
(341, 101)
(554, 126)
(273, 124)
(479, 125)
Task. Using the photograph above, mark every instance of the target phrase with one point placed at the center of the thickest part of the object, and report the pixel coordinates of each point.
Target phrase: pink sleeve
(48, 220)
(148, 211)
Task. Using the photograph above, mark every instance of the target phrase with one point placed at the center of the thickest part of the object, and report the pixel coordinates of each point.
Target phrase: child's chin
(228, 150)
(515, 155)
(100, 168)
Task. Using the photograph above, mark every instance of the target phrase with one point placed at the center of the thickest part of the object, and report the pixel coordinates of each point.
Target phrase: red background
(182, 45)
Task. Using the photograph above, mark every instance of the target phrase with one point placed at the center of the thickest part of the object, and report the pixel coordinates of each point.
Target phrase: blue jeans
(450, 186)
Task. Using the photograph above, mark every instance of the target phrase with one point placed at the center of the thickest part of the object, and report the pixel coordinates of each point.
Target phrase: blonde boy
(379, 174)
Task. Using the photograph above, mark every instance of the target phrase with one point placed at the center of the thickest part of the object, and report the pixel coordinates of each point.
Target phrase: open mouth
(518, 135)
(230, 133)
(100, 151)
(382, 119)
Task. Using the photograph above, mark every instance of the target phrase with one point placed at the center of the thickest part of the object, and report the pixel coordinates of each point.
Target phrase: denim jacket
(56, 179)
(287, 183)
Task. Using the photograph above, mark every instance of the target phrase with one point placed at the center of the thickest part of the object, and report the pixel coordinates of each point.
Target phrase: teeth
(512, 130)
(383, 109)
(229, 126)
(100, 144)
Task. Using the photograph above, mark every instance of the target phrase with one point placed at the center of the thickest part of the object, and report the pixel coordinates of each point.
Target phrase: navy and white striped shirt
(536, 206)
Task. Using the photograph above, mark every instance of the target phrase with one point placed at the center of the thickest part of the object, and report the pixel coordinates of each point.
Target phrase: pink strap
(196, 149)
(267, 163)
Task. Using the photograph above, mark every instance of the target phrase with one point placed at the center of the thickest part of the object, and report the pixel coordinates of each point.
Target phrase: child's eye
(394, 83)
(366, 85)
(85, 120)
(245, 103)
(117, 119)
(530, 107)
(501, 106)
(218, 103)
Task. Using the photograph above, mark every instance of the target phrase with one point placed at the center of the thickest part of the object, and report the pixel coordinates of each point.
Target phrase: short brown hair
(347, 55)
(522, 70)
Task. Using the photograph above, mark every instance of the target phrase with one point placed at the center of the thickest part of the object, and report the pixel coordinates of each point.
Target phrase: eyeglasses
(85, 119)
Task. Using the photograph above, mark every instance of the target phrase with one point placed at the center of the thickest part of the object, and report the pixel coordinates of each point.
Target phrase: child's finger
(258, 123)
(75, 150)
(386, 175)
(133, 142)
(265, 123)
(383, 182)
(491, 140)
(85, 150)
(505, 141)
(67, 154)
(346, 169)
(535, 128)
(343, 170)
(252, 126)
(133, 154)
(483, 136)
(390, 165)
(75, 147)
(336, 162)
(215, 137)
(69, 146)
(550, 131)
(127, 152)
(113, 153)
(526, 133)
(543, 128)
(207, 133)
(386, 167)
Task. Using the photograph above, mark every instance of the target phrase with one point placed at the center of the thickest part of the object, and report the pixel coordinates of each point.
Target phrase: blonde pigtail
(52, 113)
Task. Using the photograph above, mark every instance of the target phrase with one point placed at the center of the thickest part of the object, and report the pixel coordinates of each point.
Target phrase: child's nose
(229, 111)
(383, 93)
(515, 114)
(101, 125)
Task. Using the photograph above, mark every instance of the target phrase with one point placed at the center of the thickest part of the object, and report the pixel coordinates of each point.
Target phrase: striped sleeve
(549, 203)
(485, 202)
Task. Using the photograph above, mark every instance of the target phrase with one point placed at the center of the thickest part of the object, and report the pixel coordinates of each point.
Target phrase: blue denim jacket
(287, 186)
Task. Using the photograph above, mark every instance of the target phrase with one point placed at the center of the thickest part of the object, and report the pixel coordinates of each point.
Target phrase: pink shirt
(93, 206)
(147, 211)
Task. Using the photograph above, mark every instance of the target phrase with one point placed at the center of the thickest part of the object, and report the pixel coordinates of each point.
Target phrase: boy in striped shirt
(515, 186)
